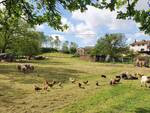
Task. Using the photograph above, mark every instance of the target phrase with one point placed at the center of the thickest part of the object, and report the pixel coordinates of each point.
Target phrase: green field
(17, 94)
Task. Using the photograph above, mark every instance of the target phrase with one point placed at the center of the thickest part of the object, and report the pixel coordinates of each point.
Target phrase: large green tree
(73, 47)
(65, 47)
(41, 11)
(57, 42)
(27, 45)
(112, 45)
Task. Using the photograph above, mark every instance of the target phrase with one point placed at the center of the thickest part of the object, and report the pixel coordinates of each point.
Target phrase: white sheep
(145, 80)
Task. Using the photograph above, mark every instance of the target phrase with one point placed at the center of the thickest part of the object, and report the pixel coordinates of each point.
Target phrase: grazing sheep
(36, 88)
(72, 80)
(145, 80)
(85, 82)
(25, 68)
(29, 67)
(103, 76)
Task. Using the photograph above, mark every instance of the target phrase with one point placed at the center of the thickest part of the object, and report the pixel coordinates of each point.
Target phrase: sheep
(103, 76)
(25, 68)
(22, 68)
(145, 80)
(85, 82)
(29, 67)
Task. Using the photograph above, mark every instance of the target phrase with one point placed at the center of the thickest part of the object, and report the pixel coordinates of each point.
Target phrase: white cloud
(1, 5)
(96, 18)
(40, 27)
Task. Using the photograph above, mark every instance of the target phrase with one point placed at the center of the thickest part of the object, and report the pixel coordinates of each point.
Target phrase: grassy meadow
(17, 93)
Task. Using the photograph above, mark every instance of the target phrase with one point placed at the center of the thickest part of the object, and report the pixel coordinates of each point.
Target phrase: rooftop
(140, 42)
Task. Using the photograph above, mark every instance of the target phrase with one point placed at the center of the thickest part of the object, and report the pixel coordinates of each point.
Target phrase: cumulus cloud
(40, 27)
(97, 18)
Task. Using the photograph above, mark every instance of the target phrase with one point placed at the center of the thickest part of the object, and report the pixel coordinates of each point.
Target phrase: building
(141, 46)
(84, 51)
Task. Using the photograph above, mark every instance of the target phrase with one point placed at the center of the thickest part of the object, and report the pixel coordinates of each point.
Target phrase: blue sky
(85, 28)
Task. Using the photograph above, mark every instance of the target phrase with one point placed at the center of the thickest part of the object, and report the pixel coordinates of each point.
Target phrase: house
(142, 46)
(84, 51)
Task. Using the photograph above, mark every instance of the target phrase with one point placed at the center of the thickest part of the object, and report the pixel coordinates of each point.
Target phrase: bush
(47, 50)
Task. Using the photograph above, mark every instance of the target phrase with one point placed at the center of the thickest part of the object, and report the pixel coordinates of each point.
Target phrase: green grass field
(17, 94)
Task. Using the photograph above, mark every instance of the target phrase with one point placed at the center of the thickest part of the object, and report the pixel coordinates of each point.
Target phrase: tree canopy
(41, 11)
(111, 44)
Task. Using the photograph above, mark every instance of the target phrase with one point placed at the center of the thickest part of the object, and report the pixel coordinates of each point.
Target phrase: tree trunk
(4, 48)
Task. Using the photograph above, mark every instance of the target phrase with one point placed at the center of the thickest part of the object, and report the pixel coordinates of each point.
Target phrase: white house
(141, 46)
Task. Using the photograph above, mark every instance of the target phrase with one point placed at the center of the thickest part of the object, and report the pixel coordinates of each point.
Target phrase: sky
(85, 28)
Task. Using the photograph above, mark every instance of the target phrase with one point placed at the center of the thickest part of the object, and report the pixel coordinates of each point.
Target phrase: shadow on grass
(8, 94)
(142, 110)
(40, 73)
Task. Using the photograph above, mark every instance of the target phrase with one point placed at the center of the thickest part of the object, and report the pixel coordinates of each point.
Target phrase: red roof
(141, 42)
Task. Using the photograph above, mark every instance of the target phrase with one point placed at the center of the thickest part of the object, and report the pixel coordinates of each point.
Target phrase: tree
(41, 11)
(65, 47)
(73, 47)
(110, 45)
(57, 42)
(51, 41)
(28, 45)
